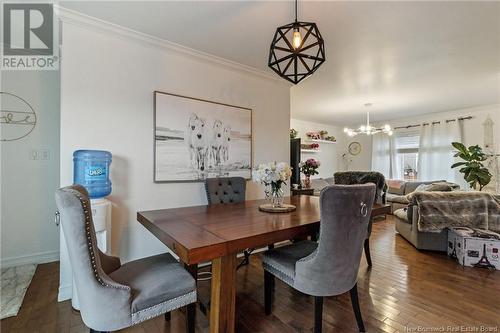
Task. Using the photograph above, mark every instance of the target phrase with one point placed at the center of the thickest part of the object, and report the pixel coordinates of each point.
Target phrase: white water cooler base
(101, 215)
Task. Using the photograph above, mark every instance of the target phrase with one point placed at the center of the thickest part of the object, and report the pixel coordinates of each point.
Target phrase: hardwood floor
(404, 288)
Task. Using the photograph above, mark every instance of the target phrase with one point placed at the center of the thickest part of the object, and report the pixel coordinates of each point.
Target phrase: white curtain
(435, 155)
(384, 157)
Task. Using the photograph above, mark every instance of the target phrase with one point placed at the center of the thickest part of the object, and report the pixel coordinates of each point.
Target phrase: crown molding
(76, 18)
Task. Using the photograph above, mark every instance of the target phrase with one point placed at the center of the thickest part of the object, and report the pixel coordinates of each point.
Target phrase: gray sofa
(396, 196)
(319, 183)
(437, 211)
(407, 226)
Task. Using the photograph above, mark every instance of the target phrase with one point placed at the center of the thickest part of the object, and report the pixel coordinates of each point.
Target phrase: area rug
(15, 282)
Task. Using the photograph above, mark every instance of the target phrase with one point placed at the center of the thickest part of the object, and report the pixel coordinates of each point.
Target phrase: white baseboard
(65, 292)
(37, 258)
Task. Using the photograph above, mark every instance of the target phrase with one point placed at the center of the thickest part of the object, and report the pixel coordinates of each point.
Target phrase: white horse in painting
(197, 142)
(216, 142)
(226, 142)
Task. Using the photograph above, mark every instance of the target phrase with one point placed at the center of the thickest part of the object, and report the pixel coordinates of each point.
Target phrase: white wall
(329, 156)
(107, 83)
(28, 232)
(335, 157)
(362, 161)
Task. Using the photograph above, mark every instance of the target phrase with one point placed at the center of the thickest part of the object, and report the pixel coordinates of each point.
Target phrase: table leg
(223, 295)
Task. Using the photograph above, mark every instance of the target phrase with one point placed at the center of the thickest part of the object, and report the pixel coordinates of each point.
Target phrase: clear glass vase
(275, 195)
(307, 181)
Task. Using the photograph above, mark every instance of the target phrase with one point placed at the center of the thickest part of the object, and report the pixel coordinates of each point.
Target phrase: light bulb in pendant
(297, 39)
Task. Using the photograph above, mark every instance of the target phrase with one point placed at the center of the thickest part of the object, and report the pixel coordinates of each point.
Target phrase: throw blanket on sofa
(439, 210)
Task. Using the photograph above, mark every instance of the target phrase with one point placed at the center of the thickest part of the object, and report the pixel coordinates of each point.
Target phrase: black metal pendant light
(297, 50)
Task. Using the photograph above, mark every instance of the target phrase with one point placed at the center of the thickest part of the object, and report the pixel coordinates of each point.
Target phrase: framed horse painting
(195, 139)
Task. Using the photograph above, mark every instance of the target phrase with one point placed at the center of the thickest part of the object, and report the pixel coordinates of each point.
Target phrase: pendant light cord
(296, 10)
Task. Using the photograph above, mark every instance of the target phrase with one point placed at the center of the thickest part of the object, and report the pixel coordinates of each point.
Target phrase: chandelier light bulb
(297, 39)
(368, 129)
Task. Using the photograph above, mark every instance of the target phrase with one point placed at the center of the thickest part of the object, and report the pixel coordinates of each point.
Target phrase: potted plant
(475, 173)
(330, 138)
(309, 168)
(273, 175)
(313, 135)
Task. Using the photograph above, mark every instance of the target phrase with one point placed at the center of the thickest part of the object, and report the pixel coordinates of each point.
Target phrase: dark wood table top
(201, 233)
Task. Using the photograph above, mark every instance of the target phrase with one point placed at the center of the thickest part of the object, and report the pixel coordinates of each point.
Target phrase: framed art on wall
(195, 139)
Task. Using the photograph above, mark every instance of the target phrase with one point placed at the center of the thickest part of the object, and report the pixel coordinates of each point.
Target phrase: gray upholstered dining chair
(225, 190)
(115, 296)
(330, 266)
(365, 177)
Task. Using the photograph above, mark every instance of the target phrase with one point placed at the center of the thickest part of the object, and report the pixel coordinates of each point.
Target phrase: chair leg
(318, 314)
(367, 252)
(190, 317)
(167, 316)
(268, 292)
(355, 307)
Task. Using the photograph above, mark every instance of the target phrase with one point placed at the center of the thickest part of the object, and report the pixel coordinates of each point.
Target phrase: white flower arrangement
(272, 173)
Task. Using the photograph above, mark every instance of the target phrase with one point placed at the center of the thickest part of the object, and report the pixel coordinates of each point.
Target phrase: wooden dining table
(219, 232)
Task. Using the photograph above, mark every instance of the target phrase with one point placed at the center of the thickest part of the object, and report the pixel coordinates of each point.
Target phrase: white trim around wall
(76, 18)
(36, 258)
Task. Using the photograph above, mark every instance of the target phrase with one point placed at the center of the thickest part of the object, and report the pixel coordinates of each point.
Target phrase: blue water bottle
(91, 170)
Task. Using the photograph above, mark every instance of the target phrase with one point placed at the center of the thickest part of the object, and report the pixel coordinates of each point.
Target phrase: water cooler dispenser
(91, 170)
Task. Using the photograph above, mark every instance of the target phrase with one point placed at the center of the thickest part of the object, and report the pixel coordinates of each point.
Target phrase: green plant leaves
(475, 173)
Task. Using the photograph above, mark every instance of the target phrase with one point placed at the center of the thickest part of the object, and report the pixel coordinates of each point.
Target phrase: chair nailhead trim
(183, 301)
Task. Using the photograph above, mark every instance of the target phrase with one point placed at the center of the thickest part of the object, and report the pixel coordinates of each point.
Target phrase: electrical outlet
(34, 155)
(45, 154)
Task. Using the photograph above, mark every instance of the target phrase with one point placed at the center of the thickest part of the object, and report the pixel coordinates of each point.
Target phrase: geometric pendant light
(297, 50)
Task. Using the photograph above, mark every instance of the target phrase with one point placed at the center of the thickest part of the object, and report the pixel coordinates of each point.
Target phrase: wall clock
(354, 148)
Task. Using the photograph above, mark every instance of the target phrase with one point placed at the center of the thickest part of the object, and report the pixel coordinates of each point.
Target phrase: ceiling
(406, 58)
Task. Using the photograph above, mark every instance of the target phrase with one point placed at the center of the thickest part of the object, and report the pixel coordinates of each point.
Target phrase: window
(407, 154)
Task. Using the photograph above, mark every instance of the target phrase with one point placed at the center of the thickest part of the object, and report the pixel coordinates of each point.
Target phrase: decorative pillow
(423, 188)
(395, 186)
(439, 187)
(434, 187)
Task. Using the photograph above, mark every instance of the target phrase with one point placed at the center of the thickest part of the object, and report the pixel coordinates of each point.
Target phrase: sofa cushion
(318, 184)
(154, 280)
(402, 214)
(329, 180)
(397, 198)
(281, 260)
(411, 186)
